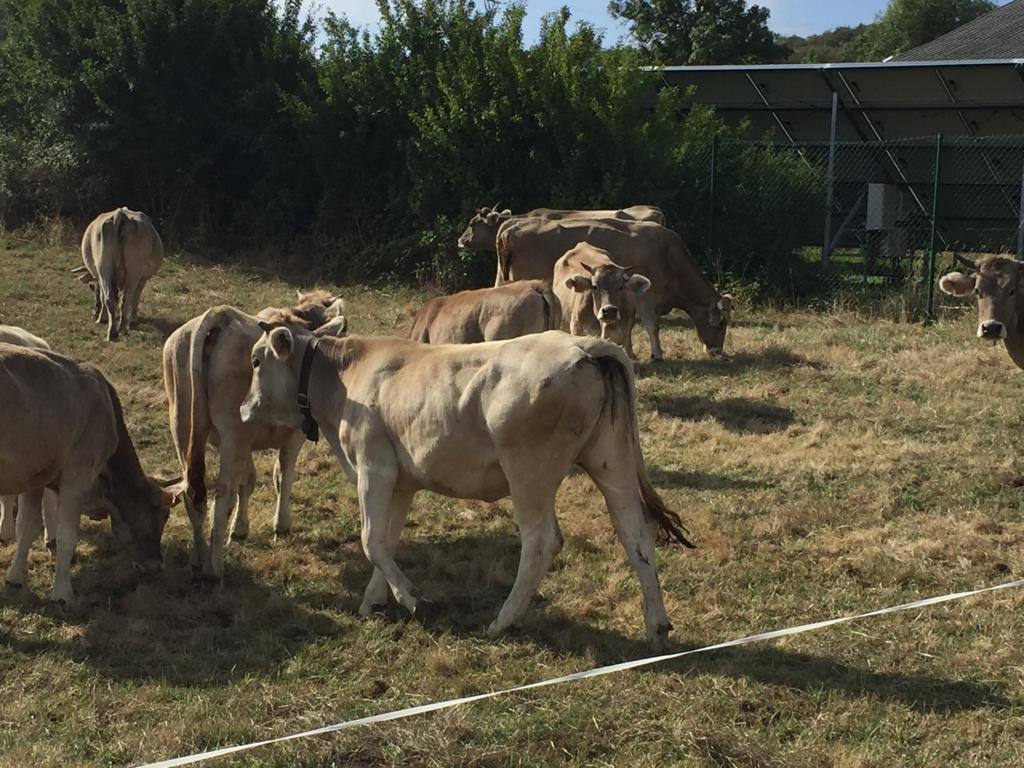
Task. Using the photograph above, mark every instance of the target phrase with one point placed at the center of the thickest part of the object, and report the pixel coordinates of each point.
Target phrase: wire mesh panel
(764, 209)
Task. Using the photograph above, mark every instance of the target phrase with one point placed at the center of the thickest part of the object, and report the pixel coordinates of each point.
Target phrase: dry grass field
(833, 463)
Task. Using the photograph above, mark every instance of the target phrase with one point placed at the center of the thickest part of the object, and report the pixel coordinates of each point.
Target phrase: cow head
(482, 229)
(138, 511)
(711, 322)
(318, 307)
(612, 291)
(994, 282)
(274, 391)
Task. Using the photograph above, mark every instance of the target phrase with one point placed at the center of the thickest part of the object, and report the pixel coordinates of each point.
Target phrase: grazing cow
(121, 250)
(529, 248)
(64, 430)
(598, 296)
(12, 334)
(206, 375)
(487, 314)
(475, 421)
(482, 231)
(994, 280)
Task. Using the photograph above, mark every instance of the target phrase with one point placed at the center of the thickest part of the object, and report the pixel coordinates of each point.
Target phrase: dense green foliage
(700, 31)
(905, 24)
(240, 126)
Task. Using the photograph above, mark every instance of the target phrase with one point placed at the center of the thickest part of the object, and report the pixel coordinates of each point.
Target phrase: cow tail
(618, 378)
(203, 340)
(552, 308)
(504, 254)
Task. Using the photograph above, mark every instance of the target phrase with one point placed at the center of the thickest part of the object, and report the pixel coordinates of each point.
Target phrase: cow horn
(965, 261)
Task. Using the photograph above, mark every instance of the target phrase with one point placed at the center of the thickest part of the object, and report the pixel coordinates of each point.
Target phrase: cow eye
(255, 363)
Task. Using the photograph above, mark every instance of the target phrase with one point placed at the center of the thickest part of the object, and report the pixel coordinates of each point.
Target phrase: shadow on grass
(736, 414)
(466, 580)
(697, 480)
(769, 359)
(169, 627)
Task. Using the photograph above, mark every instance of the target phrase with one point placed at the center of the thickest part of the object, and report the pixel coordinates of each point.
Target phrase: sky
(789, 17)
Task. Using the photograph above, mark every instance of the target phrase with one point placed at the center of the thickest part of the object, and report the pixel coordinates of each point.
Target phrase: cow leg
(240, 524)
(98, 309)
(7, 518)
(617, 481)
(284, 478)
(50, 505)
(27, 526)
(376, 595)
(652, 324)
(130, 304)
(197, 517)
(110, 311)
(233, 466)
(71, 502)
(540, 539)
(375, 499)
(134, 305)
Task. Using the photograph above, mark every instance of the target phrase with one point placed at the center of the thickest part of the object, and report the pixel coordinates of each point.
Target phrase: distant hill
(839, 44)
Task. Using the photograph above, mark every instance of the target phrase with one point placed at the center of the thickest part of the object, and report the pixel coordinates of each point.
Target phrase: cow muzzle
(608, 314)
(991, 330)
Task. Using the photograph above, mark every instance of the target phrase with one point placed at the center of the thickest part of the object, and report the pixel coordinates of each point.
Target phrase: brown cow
(529, 248)
(473, 421)
(206, 375)
(12, 334)
(121, 250)
(487, 314)
(64, 430)
(482, 231)
(995, 281)
(598, 296)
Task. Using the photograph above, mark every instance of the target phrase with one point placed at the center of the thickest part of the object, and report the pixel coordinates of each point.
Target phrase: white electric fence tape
(599, 671)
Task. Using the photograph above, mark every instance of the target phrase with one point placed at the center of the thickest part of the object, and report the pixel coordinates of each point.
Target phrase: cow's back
(19, 337)
(58, 418)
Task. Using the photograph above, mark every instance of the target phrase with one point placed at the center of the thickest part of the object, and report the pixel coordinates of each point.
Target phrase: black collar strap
(309, 426)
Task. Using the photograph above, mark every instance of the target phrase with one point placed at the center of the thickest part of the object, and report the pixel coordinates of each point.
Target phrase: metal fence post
(929, 315)
(826, 245)
(1020, 218)
(711, 192)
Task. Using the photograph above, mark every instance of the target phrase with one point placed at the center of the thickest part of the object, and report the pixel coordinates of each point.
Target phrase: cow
(994, 281)
(121, 250)
(487, 314)
(529, 248)
(475, 421)
(64, 429)
(12, 334)
(206, 375)
(598, 296)
(482, 231)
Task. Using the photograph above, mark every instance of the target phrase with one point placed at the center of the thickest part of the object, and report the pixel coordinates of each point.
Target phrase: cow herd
(493, 393)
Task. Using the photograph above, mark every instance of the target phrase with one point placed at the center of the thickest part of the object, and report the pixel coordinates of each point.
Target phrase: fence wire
(880, 229)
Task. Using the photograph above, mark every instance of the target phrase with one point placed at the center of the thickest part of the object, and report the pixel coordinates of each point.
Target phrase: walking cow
(121, 250)
(477, 421)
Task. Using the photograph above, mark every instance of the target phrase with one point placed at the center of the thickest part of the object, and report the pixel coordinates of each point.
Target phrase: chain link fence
(856, 222)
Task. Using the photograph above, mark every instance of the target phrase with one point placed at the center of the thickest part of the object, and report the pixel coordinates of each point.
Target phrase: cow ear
(507, 212)
(638, 284)
(578, 283)
(957, 284)
(281, 342)
(265, 326)
(336, 327)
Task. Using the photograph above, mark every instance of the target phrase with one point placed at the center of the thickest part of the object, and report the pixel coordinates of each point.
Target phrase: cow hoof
(5, 540)
(283, 532)
(239, 535)
(51, 545)
(656, 359)
(493, 630)
(372, 609)
(14, 585)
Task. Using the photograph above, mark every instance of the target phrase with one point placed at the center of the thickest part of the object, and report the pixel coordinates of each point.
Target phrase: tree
(701, 31)
(906, 24)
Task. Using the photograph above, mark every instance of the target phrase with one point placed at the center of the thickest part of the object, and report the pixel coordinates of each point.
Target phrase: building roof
(998, 34)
